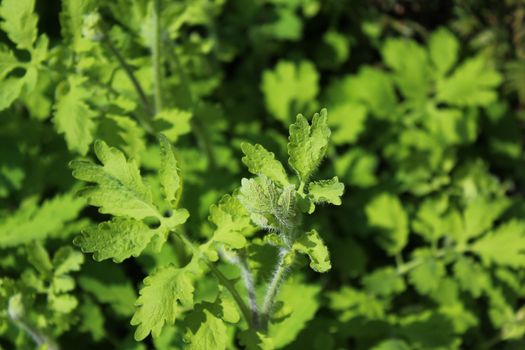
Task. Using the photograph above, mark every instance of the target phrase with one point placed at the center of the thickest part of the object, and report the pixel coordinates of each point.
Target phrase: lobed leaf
(74, 118)
(308, 143)
(329, 191)
(159, 299)
(117, 239)
(19, 21)
(504, 246)
(169, 176)
(311, 244)
(119, 189)
(262, 162)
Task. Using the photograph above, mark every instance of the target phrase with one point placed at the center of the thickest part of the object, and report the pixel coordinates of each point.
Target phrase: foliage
(145, 201)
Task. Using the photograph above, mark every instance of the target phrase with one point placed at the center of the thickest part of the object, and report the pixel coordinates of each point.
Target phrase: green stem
(156, 56)
(278, 277)
(247, 277)
(200, 133)
(228, 284)
(301, 187)
(134, 81)
(16, 312)
(412, 264)
(233, 291)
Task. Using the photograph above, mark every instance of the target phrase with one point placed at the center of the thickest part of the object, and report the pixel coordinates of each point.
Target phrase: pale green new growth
(308, 144)
(329, 191)
(270, 207)
(262, 162)
(232, 220)
(311, 244)
(159, 299)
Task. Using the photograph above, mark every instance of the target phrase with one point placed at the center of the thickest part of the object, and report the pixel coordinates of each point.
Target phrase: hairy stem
(247, 277)
(278, 278)
(229, 285)
(39, 338)
(156, 57)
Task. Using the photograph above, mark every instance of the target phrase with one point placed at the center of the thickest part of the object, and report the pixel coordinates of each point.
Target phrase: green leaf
(428, 330)
(308, 143)
(232, 220)
(427, 274)
(39, 258)
(32, 222)
(302, 299)
(67, 260)
(443, 47)
(385, 281)
(206, 330)
(410, 64)
(452, 126)
(290, 85)
(472, 84)
(19, 22)
(326, 191)
(354, 303)
(73, 117)
(10, 89)
(311, 244)
(471, 276)
(91, 319)
(429, 221)
(392, 344)
(123, 133)
(372, 87)
(109, 285)
(357, 167)
(479, 216)
(503, 246)
(385, 212)
(262, 162)
(159, 299)
(348, 120)
(269, 206)
(117, 239)
(8, 61)
(72, 19)
(173, 123)
(169, 176)
(119, 190)
(253, 340)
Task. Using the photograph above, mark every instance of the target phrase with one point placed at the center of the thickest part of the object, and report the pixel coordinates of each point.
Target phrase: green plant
(267, 202)
(157, 104)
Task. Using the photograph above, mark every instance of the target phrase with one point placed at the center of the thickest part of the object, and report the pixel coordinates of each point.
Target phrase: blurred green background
(425, 101)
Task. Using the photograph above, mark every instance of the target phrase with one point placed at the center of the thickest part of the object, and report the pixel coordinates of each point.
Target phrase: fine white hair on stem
(247, 277)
